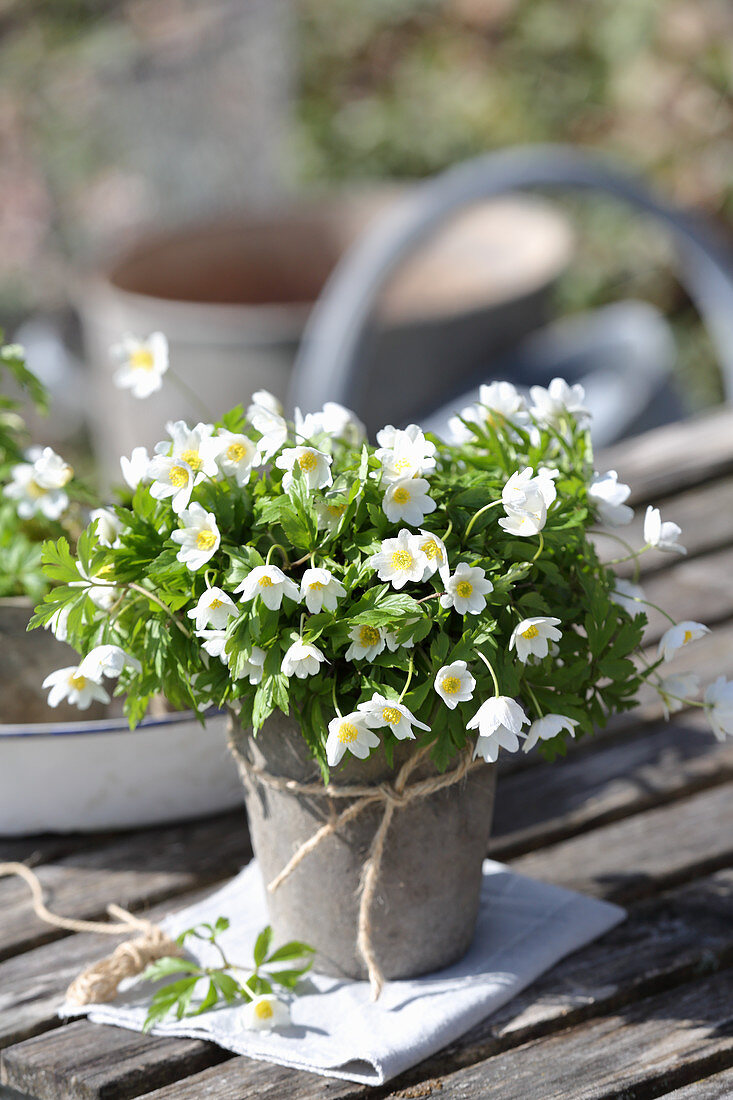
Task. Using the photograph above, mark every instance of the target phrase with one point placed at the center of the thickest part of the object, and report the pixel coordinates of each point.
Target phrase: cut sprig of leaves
(196, 988)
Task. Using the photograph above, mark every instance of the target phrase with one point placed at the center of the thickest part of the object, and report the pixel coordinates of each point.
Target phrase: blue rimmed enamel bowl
(84, 776)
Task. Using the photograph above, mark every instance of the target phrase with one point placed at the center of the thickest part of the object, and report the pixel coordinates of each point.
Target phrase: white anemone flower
(676, 690)
(629, 596)
(51, 471)
(315, 467)
(437, 555)
(58, 624)
(391, 637)
(526, 498)
(142, 363)
(264, 1013)
(329, 514)
(192, 446)
(135, 468)
(662, 535)
(265, 416)
(333, 420)
(408, 455)
(608, 494)
(366, 641)
(214, 608)
(400, 560)
(349, 732)
(71, 684)
(499, 723)
(678, 636)
(553, 405)
(460, 432)
(380, 711)
(407, 501)
(102, 592)
(270, 584)
(171, 478)
(503, 401)
(198, 538)
(214, 642)
(302, 660)
(319, 589)
(253, 666)
(532, 637)
(236, 455)
(107, 526)
(454, 684)
(544, 729)
(107, 660)
(719, 707)
(32, 499)
(467, 589)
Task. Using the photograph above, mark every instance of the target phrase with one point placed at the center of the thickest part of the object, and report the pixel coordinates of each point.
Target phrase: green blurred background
(357, 90)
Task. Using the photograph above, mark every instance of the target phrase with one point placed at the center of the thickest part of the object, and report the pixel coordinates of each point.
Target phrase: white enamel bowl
(85, 776)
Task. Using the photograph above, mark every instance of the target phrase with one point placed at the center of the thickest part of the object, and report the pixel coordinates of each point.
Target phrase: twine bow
(394, 796)
(100, 981)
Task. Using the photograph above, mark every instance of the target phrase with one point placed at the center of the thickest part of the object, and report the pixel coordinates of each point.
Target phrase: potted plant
(379, 621)
(59, 770)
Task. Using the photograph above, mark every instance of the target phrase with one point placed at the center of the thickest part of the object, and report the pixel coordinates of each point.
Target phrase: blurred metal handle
(327, 365)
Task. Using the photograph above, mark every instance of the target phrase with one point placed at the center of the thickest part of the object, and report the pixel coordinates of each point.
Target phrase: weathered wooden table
(642, 815)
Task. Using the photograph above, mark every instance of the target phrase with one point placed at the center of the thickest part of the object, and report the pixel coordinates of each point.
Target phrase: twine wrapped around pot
(393, 796)
(100, 981)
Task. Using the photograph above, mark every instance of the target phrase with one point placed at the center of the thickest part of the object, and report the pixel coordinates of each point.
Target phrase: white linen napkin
(524, 928)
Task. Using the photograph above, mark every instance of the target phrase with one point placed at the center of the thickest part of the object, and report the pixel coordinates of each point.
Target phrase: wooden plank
(706, 522)
(664, 942)
(101, 1063)
(32, 985)
(664, 461)
(645, 853)
(134, 871)
(243, 1077)
(660, 1042)
(717, 1087)
(700, 589)
(602, 782)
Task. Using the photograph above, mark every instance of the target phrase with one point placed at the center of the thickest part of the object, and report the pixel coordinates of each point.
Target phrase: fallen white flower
(265, 1013)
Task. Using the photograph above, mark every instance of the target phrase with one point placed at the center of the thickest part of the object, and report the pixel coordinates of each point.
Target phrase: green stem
(163, 606)
(493, 504)
(410, 671)
(540, 548)
(283, 551)
(190, 394)
(640, 599)
(448, 531)
(629, 557)
(490, 667)
(533, 697)
(333, 697)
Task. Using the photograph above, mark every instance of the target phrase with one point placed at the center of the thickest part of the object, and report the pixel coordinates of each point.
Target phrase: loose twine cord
(392, 795)
(99, 982)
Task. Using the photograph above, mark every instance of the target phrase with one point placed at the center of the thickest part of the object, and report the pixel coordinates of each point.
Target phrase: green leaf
(162, 968)
(262, 945)
(295, 949)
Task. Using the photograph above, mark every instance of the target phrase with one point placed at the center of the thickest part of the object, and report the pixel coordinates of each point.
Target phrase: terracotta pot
(424, 912)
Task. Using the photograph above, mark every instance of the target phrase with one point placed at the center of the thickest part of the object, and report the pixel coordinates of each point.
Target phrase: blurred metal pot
(233, 296)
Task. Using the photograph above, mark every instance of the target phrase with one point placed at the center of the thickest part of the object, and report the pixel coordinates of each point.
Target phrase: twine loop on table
(100, 981)
(393, 796)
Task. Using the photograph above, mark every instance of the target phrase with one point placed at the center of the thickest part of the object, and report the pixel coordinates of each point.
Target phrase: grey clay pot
(424, 912)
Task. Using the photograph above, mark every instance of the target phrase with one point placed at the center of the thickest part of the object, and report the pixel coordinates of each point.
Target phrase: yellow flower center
(307, 462)
(347, 733)
(265, 582)
(464, 589)
(178, 476)
(401, 495)
(402, 464)
(192, 458)
(687, 638)
(34, 490)
(206, 540)
(530, 633)
(106, 570)
(78, 682)
(451, 685)
(368, 636)
(402, 559)
(316, 586)
(391, 715)
(67, 474)
(216, 603)
(263, 1010)
(335, 510)
(236, 452)
(142, 359)
(431, 549)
